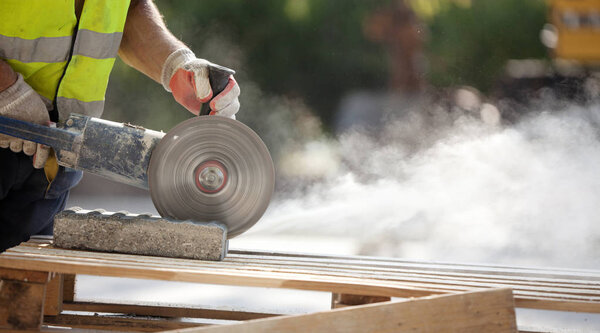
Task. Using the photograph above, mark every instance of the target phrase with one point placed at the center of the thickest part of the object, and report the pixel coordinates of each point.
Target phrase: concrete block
(123, 232)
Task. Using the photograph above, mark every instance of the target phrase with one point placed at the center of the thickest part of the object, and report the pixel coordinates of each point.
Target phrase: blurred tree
(397, 26)
(316, 51)
(470, 41)
(309, 49)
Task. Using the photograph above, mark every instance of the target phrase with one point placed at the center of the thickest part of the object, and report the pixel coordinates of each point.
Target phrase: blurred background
(448, 130)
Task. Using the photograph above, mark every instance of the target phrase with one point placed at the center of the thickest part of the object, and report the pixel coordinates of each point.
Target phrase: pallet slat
(418, 286)
(533, 287)
(240, 278)
(164, 311)
(486, 311)
(117, 323)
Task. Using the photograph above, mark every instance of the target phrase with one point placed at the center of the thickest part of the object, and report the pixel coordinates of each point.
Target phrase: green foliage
(469, 45)
(311, 49)
(315, 51)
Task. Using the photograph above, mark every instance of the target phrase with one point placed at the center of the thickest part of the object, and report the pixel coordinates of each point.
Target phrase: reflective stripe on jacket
(65, 60)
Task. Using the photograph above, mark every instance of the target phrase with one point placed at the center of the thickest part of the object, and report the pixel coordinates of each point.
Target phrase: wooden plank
(568, 289)
(54, 296)
(442, 283)
(246, 262)
(433, 287)
(432, 266)
(344, 300)
(117, 323)
(103, 266)
(579, 291)
(107, 264)
(21, 305)
(34, 276)
(449, 283)
(486, 311)
(445, 275)
(68, 287)
(154, 261)
(165, 311)
(444, 268)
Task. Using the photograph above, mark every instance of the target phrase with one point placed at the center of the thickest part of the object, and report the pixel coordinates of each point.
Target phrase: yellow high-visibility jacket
(66, 60)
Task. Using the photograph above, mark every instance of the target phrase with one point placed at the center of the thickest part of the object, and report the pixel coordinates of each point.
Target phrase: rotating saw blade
(212, 168)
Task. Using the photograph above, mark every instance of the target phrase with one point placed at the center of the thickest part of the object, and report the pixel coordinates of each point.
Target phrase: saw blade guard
(212, 168)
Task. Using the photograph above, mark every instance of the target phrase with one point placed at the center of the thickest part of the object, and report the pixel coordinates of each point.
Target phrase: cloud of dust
(460, 190)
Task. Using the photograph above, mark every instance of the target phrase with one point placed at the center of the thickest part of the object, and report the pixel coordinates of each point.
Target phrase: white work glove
(186, 77)
(21, 102)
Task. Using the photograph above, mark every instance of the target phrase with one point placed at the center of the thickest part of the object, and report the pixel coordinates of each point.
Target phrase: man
(55, 59)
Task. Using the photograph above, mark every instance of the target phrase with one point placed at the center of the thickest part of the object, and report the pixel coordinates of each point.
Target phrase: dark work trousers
(27, 203)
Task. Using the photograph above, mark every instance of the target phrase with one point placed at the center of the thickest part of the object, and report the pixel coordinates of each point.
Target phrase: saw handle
(57, 138)
(219, 78)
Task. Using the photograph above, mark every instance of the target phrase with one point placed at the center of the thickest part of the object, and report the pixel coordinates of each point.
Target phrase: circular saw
(207, 168)
(212, 168)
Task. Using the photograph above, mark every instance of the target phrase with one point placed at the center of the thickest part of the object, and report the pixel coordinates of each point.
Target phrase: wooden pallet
(353, 281)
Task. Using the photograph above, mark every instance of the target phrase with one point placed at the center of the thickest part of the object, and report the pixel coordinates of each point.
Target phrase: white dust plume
(526, 193)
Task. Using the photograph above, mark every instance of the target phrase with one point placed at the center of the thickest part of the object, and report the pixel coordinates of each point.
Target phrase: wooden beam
(117, 323)
(343, 300)
(109, 264)
(53, 304)
(21, 305)
(68, 287)
(34, 276)
(489, 311)
(571, 284)
(164, 311)
(561, 289)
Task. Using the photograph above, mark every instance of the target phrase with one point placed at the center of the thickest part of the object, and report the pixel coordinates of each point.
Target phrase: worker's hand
(187, 78)
(20, 101)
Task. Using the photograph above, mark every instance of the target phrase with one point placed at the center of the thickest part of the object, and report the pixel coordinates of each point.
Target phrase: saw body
(205, 169)
(116, 151)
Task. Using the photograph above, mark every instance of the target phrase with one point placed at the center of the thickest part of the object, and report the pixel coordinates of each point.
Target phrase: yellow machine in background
(576, 26)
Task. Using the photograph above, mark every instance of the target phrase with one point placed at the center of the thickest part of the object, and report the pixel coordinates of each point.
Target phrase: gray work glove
(21, 102)
(186, 77)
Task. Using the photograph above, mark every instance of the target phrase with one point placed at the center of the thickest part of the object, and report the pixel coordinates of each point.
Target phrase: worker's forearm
(146, 41)
(7, 76)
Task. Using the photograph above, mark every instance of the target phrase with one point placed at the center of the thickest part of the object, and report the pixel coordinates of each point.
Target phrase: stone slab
(122, 232)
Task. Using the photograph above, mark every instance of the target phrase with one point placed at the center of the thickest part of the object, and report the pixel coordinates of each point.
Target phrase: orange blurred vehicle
(574, 30)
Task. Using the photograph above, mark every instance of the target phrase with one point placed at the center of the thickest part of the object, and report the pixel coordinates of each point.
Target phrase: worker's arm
(147, 42)
(148, 46)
